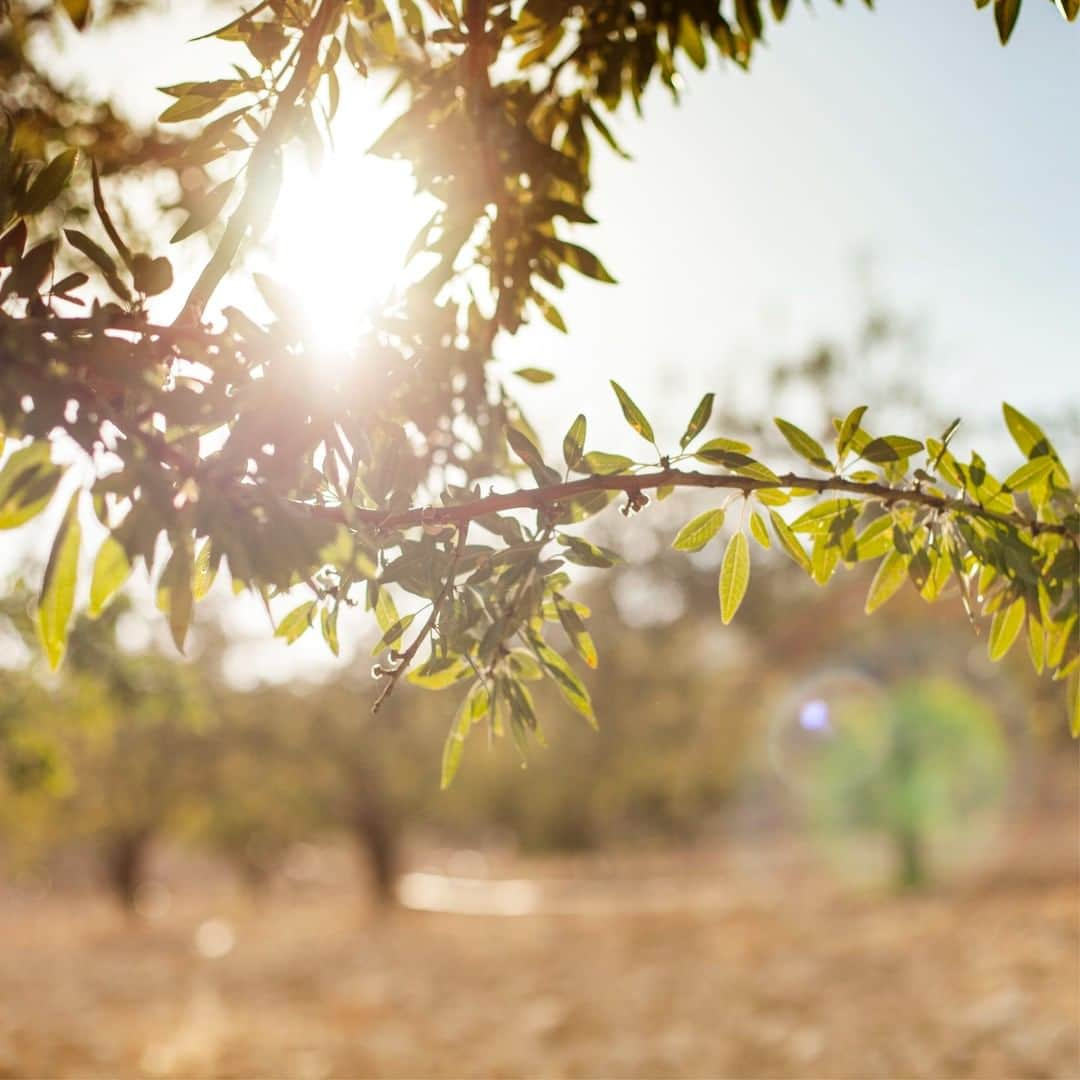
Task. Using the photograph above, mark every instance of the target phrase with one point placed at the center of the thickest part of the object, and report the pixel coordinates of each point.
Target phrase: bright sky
(907, 134)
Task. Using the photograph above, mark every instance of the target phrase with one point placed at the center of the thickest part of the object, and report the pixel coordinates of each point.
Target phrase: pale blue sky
(907, 133)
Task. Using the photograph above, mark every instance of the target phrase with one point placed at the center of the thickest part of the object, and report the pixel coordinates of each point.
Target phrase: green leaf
(582, 260)
(849, 428)
(1027, 435)
(788, 541)
(471, 711)
(28, 482)
(204, 571)
(758, 530)
(100, 258)
(804, 445)
(584, 553)
(575, 630)
(1005, 15)
(393, 634)
(702, 415)
(891, 574)
(721, 447)
(1030, 474)
(634, 416)
(1005, 627)
(734, 576)
(57, 598)
(441, 673)
(565, 678)
(50, 182)
(329, 629)
(697, 532)
(175, 596)
(574, 442)
(534, 375)
(599, 463)
(111, 570)
(296, 622)
(1036, 639)
(890, 448)
(189, 107)
(386, 613)
(689, 40)
(523, 446)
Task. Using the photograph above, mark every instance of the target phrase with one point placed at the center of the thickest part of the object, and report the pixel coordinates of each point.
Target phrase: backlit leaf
(111, 570)
(734, 576)
(701, 417)
(57, 598)
(697, 532)
(1005, 627)
(891, 574)
(634, 416)
(296, 622)
(804, 445)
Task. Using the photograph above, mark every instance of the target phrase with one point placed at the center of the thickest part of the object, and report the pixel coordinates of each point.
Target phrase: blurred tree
(369, 483)
(942, 767)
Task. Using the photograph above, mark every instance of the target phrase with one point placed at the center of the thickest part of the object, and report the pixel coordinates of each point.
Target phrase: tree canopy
(201, 440)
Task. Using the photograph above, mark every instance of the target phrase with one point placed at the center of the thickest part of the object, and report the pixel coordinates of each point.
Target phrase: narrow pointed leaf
(804, 445)
(111, 570)
(891, 574)
(57, 599)
(1005, 628)
(634, 416)
(734, 576)
(701, 417)
(697, 532)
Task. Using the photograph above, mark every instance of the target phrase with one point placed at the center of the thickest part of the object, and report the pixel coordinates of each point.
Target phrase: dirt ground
(747, 963)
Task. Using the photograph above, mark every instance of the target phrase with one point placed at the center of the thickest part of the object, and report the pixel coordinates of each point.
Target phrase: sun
(339, 239)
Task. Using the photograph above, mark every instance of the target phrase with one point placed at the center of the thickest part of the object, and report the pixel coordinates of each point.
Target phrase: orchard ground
(747, 958)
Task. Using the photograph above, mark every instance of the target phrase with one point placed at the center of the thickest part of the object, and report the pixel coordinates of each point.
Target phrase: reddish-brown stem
(636, 483)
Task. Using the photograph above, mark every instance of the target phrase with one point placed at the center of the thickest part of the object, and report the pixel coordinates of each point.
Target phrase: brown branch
(635, 484)
(269, 144)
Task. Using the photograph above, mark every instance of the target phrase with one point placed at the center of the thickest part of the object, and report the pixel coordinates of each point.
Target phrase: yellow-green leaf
(804, 445)
(698, 421)
(472, 710)
(758, 530)
(111, 570)
(1005, 627)
(1036, 638)
(57, 598)
(634, 416)
(175, 596)
(788, 540)
(697, 532)
(734, 576)
(534, 375)
(891, 574)
(296, 622)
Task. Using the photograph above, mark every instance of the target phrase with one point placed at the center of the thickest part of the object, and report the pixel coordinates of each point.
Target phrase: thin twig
(407, 657)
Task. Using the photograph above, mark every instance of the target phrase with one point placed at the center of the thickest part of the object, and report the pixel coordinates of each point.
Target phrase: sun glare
(339, 239)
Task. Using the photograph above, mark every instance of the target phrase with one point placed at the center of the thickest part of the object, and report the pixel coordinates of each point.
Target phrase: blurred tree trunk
(374, 827)
(125, 861)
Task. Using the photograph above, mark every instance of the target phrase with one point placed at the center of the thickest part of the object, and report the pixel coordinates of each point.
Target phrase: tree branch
(269, 144)
(635, 484)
